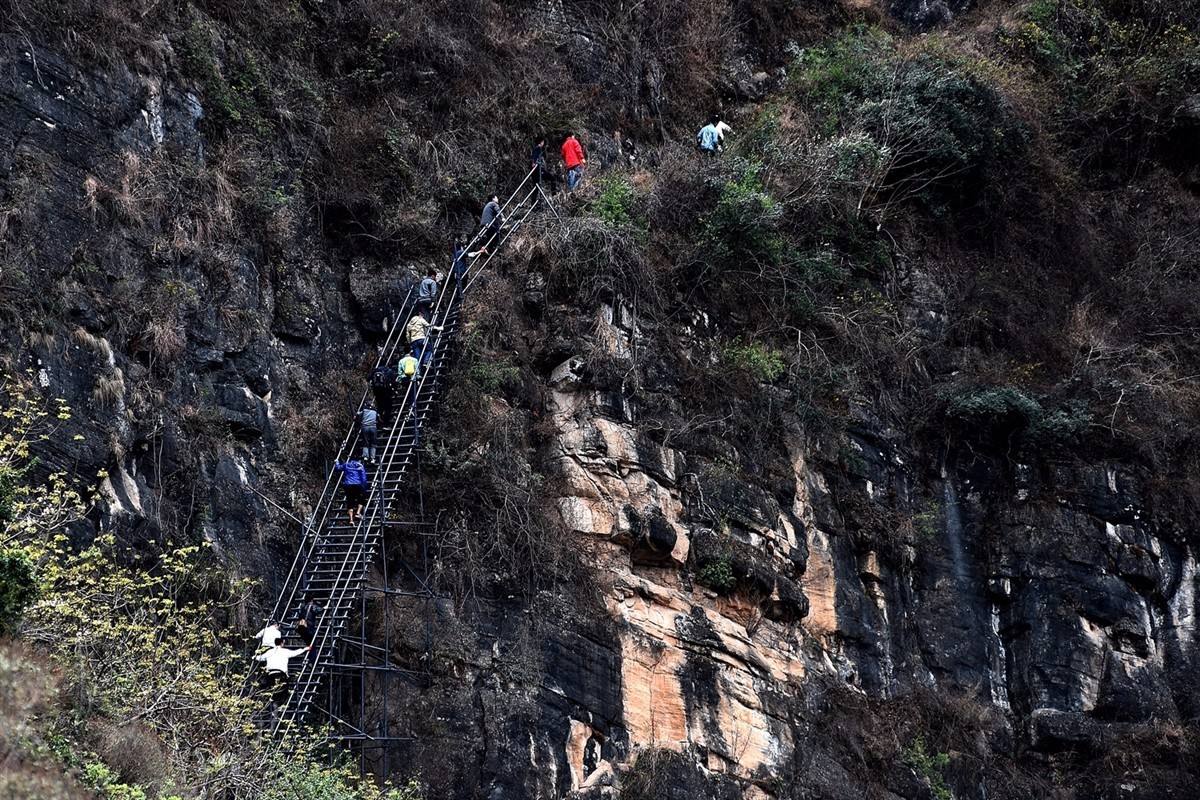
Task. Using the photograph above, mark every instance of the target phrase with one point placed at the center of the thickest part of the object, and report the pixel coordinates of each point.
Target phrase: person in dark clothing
(537, 161)
(368, 421)
(304, 632)
(355, 483)
(458, 267)
(492, 221)
(311, 613)
(383, 386)
(427, 292)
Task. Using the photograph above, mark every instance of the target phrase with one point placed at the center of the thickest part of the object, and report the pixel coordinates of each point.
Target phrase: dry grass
(109, 389)
(133, 199)
(165, 338)
(97, 344)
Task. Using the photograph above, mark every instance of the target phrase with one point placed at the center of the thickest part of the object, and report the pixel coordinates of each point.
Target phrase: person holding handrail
(537, 160)
(491, 221)
(458, 267)
(355, 483)
(427, 292)
(276, 660)
(418, 333)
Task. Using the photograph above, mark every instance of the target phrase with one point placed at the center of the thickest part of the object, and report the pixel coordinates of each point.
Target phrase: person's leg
(279, 693)
(417, 346)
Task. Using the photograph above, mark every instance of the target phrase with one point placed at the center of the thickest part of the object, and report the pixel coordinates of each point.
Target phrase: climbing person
(407, 369)
(268, 635)
(383, 386)
(277, 668)
(537, 160)
(368, 422)
(491, 221)
(708, 138)
(355, 483)
(625, 148)
(458, 267)
(723, 130)
(574, 159)
(311, 613)
(418, 331)
(427, 292)
(304, 632)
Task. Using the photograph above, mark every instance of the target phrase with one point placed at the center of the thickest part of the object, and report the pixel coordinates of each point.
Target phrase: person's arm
(261, 657)
(260, 633)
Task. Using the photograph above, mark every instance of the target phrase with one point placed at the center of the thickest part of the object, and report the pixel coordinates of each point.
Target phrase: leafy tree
(17, 588)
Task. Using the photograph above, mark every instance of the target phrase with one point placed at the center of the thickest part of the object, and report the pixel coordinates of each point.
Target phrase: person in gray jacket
(368, 426)
(491, 222)
(427, 292)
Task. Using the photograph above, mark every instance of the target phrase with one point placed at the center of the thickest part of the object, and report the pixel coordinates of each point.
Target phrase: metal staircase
(332, 564)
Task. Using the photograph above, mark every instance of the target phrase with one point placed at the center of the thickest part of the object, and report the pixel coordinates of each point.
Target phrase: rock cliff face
(766, 609)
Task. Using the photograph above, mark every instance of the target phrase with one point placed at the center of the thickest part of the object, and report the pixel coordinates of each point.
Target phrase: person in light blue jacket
(709, 137)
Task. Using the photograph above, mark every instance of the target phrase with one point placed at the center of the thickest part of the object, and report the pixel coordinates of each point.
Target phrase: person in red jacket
(574, 160)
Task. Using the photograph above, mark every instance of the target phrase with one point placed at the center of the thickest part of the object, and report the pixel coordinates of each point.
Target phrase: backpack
(382, 378)
(410, 367)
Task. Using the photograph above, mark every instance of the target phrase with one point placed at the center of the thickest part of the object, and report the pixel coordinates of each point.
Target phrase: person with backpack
(406, 382)
(418, 331)
(383, 386)
(355, 483)
(368, 421)
(574, 159)
(709, 137)
(427, 292)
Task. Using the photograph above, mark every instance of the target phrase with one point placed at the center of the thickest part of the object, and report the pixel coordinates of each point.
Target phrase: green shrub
(615, 204)
(9, 476)
(830, 78)
(717, 574)
(491, 376)
(1006, 412)
(744, 225)
(764, 364)
(927, 522)
(925, 127)
(929, 766)
(312, 782)
(995, 408)
(232, 98)
(18, 588)
(1062, 426)
(105, 781)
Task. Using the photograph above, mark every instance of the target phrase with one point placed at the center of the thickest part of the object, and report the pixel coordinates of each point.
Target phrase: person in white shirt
(268, 635)
(723, 130)
(277, 667)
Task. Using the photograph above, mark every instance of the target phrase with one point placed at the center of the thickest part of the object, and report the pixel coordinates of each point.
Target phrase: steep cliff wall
(856, 463)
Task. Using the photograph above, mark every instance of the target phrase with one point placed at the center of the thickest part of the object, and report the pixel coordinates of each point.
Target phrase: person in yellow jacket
(418, 333)
(406, 380)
